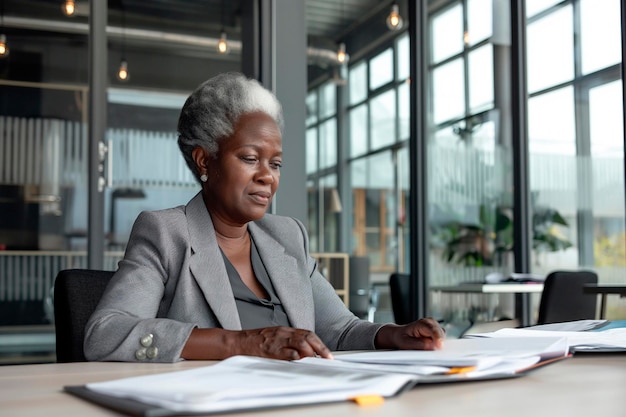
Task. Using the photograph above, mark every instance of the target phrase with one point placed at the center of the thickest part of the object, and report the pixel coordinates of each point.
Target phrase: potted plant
(487, 241)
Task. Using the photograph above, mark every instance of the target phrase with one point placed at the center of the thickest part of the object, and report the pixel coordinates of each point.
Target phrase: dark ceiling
(327, 20)
(184, 29)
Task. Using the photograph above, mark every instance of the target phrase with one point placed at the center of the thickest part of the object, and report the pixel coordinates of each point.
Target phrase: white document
(578, 340)
(468, 352)
(473, 357)
(423, 373)
(420, 370)
(244, 382)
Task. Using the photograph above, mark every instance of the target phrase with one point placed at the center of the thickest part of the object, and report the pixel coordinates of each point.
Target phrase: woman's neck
(235, 244)
(227, 231)
(232, 235)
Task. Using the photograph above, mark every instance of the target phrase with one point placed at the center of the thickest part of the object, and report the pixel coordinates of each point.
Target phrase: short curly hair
(211, 112)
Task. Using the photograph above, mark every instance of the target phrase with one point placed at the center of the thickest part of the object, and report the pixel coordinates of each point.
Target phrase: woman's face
(245, 175)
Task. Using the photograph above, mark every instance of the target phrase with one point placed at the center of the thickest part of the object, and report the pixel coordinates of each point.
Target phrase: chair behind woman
(563, 297)
(76, 295)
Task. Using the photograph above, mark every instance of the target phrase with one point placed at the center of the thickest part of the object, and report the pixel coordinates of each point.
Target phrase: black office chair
(76, 295)
(399, 289)
(563, 298)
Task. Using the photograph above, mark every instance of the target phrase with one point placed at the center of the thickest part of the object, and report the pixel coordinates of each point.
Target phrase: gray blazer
(173, 279)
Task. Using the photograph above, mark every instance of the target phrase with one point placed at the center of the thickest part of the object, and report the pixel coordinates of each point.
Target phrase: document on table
(591, 339)
(480, 357)
(242, 383)
(247, 383)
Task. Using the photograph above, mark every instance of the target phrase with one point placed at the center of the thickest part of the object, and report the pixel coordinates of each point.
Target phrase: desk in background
(587, 383)
(604, 290)
(522, 293)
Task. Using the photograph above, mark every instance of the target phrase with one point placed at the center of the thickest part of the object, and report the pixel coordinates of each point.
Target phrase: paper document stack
(241, 383)
(247, 383)
(460, 358)
(581, 335)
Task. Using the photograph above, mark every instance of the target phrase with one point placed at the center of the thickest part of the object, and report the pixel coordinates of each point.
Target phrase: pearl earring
(204, 177)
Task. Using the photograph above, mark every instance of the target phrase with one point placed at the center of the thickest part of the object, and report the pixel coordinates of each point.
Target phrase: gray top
(173, 279)
(255, 312)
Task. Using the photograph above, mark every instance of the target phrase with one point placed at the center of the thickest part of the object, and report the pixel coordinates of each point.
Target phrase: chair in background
(563, 297)
(399, 289)
(76, 295)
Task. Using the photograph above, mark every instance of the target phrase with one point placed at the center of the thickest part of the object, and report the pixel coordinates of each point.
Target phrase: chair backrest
(76, 295)
(399, 289)
(564, 299)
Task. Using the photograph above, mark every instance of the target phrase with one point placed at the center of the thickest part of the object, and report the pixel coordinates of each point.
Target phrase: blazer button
(152, 352)
(141, 354)
(146, 341)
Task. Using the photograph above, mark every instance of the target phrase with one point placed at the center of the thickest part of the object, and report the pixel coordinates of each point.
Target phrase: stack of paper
(582, 335)
(471, 358)
(245, 383)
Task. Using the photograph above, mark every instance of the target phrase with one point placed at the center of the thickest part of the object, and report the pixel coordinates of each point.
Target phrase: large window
(324, 201)
(379, 113)
(576, 138)
(375, 162)
(574, 141)
(467, 156)
(575, 145)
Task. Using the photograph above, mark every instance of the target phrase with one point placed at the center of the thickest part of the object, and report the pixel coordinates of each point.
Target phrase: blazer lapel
(207, 266)
(282, 269)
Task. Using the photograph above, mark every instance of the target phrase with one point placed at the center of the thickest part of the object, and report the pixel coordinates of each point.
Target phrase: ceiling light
(394, 20)
(342, 57)
(69, 7)
(122, 73)
(222, 44)
(4, 50)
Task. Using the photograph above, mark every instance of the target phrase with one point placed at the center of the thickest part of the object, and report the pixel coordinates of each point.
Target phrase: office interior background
(516, 139)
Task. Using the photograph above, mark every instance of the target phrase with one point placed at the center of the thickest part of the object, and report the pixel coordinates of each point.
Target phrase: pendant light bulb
(342, 57)
(69, 7)
(122, 73)
(394, 20)
(4, 49)
(222, 44)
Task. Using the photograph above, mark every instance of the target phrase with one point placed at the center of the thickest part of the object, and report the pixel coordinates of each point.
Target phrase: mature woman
(219, 277)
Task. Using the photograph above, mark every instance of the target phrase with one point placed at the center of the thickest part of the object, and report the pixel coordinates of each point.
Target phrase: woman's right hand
(280, 342)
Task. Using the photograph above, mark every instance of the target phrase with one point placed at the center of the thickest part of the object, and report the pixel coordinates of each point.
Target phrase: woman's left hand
(423, 334)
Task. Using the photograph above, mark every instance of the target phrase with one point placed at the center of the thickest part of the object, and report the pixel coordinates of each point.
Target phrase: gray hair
(211, 112)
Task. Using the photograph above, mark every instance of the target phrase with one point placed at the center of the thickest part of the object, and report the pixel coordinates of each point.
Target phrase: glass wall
(370, 162)
(42, 195)
(574, 144)
(378, 116)
(576, 139)
(44, 148)
(324, 200)
(469, 159)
